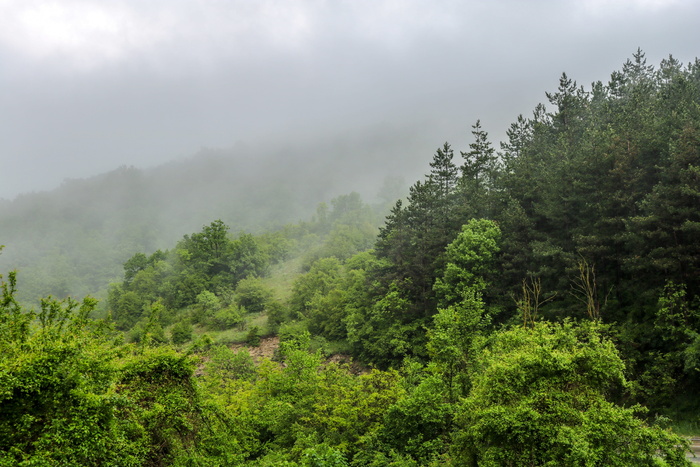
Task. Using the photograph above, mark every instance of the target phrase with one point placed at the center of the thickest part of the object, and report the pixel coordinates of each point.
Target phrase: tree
(470, 261)
(247, 258)
(543, 396)
(519, 134)
(443, 171)
(320, 280)
(209, 250)
(668, 231)
(253, 295)
(453, 339)
(480, 160)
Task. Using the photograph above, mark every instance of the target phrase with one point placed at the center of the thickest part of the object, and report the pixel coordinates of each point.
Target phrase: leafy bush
(253, 336)
(252, 295)
(181, 333)
(540, 396)
(228, 317)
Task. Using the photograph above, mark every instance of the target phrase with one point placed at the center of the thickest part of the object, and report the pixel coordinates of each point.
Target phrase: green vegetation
(537, 305)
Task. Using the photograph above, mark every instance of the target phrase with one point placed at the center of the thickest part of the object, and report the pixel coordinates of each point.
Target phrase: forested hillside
(74, 239)
(535, 303)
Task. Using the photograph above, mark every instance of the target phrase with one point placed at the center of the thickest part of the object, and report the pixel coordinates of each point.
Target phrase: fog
(86, 86)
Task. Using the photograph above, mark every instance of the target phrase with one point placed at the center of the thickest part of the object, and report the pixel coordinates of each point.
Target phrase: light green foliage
(542, 396)
(72, 394)
(323, 456)
(323, 277)
(226, 364)
(207, 304)
(167, 415)
(419, 423)
(453, 340)
(610, 175)
(470, 260)
(228, 317)
(56, 391)
(14, 323)
(304, 412)
(208, 301)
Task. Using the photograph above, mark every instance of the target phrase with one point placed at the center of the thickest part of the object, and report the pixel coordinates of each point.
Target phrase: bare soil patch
(267, 348)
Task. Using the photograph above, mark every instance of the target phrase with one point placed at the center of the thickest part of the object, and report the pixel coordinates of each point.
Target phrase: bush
(228, 317)
(253, 295)
(181, 333)
(253, 336)
(276, 315)
(226, 363)
(540, 396)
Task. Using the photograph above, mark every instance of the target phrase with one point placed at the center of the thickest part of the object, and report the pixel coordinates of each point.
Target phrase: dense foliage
(537, 305)
(597, 205)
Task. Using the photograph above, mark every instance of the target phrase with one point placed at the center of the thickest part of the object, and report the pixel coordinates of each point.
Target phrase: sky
(88, 86)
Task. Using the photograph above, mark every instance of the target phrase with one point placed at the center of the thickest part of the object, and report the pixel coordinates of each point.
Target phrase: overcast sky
(87, 86)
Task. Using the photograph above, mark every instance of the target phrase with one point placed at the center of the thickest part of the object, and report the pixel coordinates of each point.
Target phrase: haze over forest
(87, 87)
(349, 233)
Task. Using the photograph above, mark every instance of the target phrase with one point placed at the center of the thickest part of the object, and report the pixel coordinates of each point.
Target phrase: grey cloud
(184, 75)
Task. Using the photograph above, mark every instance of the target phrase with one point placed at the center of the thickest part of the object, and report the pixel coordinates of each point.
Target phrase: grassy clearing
(282, 277)
(235, 335)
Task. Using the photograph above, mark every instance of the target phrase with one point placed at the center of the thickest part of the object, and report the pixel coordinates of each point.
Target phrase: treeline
(516, 308)
(598, 205)
(212, 279)
(74, 239)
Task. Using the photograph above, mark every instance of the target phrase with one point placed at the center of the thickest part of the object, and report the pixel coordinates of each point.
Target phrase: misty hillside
(73, 240)
(534, 305)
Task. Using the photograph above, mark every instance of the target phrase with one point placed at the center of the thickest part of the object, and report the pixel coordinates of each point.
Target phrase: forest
(535, 303)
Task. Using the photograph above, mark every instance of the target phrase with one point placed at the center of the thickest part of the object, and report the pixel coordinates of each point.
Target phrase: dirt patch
(269, 345)
(267, 348)
(346, 360)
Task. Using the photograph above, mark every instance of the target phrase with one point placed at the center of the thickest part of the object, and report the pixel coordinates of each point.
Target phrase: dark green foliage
(277, 314)
(606, 178)
(252, 295)
(321, 279)
(206, 263)
(181, 333)
(253, 336)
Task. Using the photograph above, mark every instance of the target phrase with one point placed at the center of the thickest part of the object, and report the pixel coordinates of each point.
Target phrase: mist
(88, 87)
